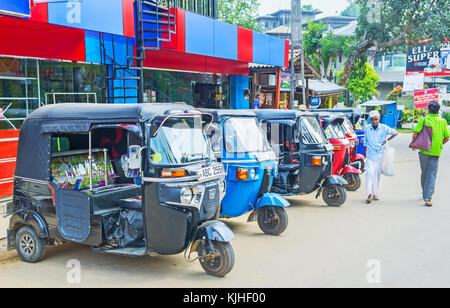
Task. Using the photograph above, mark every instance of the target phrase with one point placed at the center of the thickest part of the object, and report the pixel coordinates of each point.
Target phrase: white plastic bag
(388, 160)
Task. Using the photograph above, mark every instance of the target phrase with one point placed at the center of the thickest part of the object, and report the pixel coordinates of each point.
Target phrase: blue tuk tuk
(240, 144)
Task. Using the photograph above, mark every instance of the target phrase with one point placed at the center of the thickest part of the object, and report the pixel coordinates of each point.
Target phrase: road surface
(407, 244)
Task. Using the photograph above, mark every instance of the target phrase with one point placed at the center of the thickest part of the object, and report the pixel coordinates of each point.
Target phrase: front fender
(273, 200)
(358, 157)
(334, 180)
(214, 230)
(350, 169)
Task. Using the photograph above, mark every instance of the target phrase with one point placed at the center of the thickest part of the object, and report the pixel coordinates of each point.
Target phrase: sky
(328, 7)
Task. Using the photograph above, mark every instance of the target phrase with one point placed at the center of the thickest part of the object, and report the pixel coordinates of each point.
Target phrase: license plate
(211, 172)
(266, 156)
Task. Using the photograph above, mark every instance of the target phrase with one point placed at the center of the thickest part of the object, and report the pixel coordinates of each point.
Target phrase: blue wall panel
(15, 7)
(238, 85)
(225, 41)
(277, 51)
(199, 35)
(96, 15)
(261, 48)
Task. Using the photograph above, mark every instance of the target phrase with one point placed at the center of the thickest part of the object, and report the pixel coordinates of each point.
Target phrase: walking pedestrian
(375, 137)
(429, 160)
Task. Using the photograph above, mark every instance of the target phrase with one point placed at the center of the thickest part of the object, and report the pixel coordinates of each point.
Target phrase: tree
(388, 24)
(352, 10)
(323, 48)
(307, 7)
(242, 13)
(362, 82)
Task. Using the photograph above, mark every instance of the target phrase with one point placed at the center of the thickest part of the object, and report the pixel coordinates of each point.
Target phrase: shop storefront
(65, 51)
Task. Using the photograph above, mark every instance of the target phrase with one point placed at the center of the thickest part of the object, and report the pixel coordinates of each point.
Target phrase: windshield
(180, 141)
(244, 135)
(348, 127)
(334, 131)
(312, 133)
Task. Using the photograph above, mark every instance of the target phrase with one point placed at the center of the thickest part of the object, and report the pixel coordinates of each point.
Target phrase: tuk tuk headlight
(222, 188)
(253, 173)
(186, 195)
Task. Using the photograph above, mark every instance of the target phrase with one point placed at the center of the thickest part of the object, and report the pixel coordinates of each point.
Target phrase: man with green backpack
(429, 160)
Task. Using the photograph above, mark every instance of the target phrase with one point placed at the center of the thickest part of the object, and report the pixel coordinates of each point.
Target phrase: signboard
(17, 8)
(286, 78)
(413, 82)
(424, 97)
(431, 62)
(315, 102)
(1, 113)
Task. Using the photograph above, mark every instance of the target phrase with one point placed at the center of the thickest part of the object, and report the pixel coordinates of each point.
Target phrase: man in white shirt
(375, 137)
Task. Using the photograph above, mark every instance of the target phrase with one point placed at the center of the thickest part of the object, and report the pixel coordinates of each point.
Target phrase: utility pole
(297, 43)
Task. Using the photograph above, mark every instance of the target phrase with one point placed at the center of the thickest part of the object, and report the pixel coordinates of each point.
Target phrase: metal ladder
(155, 23)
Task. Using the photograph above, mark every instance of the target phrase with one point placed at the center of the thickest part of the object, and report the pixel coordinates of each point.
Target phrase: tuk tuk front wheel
(334, 196)
(30, 247)
(272, 220)
(354, 181)
(219, 261)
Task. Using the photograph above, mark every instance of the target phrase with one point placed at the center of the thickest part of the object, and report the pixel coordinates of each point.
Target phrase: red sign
(424, 97)
(1, 113)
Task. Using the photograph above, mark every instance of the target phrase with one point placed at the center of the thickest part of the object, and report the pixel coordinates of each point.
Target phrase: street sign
(16, 8)
(315, 102)
(423, 98)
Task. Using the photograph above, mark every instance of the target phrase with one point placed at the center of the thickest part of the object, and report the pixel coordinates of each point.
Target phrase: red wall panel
(40, 40)
(128, 18)
(39, 12)
(171, 60)
(8, 152)
(286, 54)
(245, 45)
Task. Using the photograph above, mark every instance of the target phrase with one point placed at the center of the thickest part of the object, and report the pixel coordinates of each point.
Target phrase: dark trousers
(429, 165)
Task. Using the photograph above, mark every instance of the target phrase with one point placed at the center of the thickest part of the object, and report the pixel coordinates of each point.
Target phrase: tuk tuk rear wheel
(354, 181)
(272, 220)
(334, 196)
(220, 261)
(30, 247)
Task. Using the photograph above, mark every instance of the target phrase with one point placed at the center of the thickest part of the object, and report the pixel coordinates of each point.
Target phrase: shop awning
(323, 87)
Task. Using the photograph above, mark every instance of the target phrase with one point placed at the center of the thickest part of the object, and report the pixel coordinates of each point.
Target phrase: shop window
(199, 90)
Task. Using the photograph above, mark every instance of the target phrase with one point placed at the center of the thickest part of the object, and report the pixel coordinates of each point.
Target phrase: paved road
(322, 247)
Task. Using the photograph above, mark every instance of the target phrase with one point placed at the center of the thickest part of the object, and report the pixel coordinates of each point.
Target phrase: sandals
(369, 199)
(428, 204)
(375, 198)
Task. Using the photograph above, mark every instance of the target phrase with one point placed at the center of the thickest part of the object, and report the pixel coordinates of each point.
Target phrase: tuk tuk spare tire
(334, 196)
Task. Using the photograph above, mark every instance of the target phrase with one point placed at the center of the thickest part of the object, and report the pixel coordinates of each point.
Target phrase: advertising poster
(413, 82)
(431, 62)
(286, 79)
(424, 97)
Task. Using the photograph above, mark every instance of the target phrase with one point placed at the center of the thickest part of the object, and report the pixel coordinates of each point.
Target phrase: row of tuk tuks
(154, 179)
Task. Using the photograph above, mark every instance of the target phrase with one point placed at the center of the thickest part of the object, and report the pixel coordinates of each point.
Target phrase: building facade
(120, 51)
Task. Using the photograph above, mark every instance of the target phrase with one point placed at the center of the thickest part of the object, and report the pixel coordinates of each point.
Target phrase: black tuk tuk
(129, 180)
(305, 156)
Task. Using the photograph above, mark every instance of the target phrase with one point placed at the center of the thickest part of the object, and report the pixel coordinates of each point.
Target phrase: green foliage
(391, 24)
(242, 13)
(352, 10)
(446, 116)
(363, 81)
(322, 47)
(308, 7)
(395, 94)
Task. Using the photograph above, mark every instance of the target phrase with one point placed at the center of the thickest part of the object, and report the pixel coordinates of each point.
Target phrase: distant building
(282, 18)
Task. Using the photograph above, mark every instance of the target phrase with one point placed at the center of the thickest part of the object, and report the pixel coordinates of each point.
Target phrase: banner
(431, 62)
(424, 97)
(413, 82)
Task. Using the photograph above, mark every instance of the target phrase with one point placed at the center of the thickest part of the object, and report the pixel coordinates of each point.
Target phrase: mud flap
(10, 239)
(253, 216)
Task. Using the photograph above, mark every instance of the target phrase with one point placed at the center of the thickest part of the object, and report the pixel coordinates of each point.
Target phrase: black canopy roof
(219, 114)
